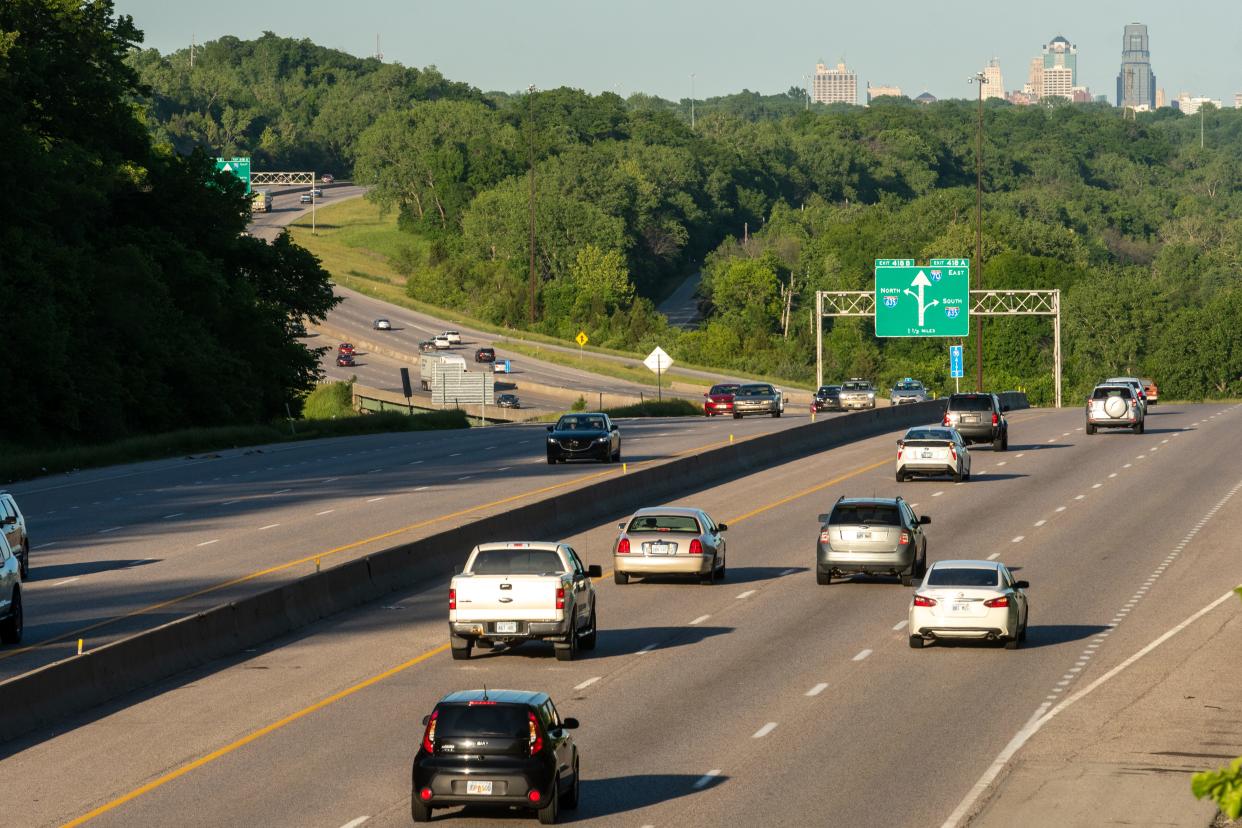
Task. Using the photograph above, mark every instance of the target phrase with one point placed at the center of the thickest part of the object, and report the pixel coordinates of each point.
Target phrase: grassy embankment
(21, 463)
(357, 244)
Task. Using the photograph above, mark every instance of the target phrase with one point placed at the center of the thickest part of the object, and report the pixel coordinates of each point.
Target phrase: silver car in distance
(669, 540)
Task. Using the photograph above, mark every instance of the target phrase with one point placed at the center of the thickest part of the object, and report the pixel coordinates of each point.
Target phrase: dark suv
(496, 747)
(979, 418)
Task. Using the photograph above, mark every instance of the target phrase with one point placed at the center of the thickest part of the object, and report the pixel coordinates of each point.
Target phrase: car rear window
(664, 523)
(870, 514)
(856, 386)
(970, 403)
(961, 576)
(723, 389)
(754, 390)
(909, 386)
(468, 721)
(1105, 393)
(516, 562)
(928, 434)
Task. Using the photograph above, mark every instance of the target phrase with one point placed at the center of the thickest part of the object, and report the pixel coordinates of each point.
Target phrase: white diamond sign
(658, 361)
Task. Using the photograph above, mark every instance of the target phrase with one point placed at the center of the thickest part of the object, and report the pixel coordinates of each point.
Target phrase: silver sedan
(669, 540)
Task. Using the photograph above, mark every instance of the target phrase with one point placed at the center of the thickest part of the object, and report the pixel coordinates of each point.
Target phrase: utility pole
(806, 79)
(1200, 126)
(192, 44)
(692, 102)
(530, 130)
(979, 79)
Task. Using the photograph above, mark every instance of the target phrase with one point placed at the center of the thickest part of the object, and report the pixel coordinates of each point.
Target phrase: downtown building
(1136, 83)
(993, 82)
(882, 90)
(838, 85)
(1054, 74)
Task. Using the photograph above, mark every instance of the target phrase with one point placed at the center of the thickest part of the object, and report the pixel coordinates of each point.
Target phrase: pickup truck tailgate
(506, 598)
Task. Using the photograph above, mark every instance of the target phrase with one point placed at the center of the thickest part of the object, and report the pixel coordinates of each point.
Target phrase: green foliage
(652, 408)
(580, 404)
(133, 297)
(329, 401)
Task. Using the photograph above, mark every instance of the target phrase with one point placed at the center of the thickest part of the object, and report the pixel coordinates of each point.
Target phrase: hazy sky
(653, 46)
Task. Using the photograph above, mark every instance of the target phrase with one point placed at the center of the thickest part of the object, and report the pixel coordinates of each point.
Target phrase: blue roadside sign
(955, 362)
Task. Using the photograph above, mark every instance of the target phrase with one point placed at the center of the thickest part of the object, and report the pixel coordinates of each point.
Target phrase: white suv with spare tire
(1115, 406)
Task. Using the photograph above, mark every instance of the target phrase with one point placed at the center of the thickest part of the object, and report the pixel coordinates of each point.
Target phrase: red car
(1152, 392)
(344, 360)
(345, 348)
(719, 400)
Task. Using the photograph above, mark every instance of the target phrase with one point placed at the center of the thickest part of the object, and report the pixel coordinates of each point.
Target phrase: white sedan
(453, 336)
(930, 451)
(969, 599)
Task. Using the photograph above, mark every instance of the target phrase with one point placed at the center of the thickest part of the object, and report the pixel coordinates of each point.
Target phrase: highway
(767, 700)
(287, 207)
(121, 549)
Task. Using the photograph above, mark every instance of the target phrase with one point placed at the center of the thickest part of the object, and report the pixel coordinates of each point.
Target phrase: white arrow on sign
(920, 281)
(658, 361)
(226, 168)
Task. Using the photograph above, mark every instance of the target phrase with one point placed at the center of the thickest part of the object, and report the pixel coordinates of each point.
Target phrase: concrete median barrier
(47, 696)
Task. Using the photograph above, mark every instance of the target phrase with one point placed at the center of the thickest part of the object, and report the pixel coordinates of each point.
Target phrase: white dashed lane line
(747, 593)
(1040, 522)
(422, 488)
(1018, 539)
(817, 689)
(43, 545)
(764, 731)
(324, 512)
(861, 655)
(354, 823)
(269, 526)
(937, 494)
(173, 515)
(900, 625)
(109, 529)
(466, 477)
(374, 499)
(1079, 497)
(993, 556)
(210, 542)
(699, 620)
(707, 778)
(647, 649)
(584, 685)
(66, 581)
(1096, 485)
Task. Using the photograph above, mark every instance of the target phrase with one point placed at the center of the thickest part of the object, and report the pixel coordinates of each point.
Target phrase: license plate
(479, 787)
(927, 454)
(504, 627)
(970, 418)
(961, 607)
(659, 549)
(862, 536)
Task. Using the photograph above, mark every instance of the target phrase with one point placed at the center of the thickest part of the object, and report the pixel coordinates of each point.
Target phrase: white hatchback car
(442, 343)
(453, 336)
(969, 599)
(931, 451)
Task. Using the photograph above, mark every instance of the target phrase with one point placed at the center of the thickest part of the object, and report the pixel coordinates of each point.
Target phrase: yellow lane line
(250, 737)
(74, 634)
(362, 685)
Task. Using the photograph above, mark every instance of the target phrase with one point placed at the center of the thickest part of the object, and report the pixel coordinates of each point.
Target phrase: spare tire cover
(1115, 407)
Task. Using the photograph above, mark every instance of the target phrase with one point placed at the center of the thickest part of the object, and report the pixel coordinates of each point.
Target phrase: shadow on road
(1035, 447)
(734, 575)
(57, 571)
(611, 642)
(1045, 635)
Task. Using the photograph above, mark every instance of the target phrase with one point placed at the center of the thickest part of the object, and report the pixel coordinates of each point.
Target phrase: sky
(654, 46)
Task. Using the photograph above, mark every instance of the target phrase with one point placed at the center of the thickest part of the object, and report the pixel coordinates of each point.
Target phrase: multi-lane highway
(287, 207)
(122, 549)
(767, 700)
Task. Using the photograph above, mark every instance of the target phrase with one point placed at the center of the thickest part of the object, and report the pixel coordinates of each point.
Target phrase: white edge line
(66, 581)
(354, 823)
(584, 685)
(706, 779)
(1043, 715)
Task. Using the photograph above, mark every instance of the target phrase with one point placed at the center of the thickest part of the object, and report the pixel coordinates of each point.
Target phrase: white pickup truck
(523, 591)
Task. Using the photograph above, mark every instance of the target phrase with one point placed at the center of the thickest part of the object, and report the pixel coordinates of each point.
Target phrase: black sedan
(344, 360)
(827, 398)
(508, 401)
(584, 437)
(496, 747)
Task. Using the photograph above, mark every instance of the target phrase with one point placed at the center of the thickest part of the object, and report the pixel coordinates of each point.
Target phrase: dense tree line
(1131, 219)
(133, 302)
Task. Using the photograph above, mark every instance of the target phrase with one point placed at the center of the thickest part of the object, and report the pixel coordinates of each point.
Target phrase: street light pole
(530, 158)
(979, 79)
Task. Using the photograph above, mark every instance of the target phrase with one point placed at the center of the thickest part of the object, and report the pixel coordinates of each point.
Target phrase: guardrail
(48, 695)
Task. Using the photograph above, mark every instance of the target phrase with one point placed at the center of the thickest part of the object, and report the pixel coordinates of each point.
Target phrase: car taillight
(1002, 601)
(946, 421)
(452, 599)
(623, 546)
(534, 795)
(953, 453)
(560, 598)
(923, 601)
(536, 739)
(429, 735)
(905, 538)
(425, 794)
(995, 419)
(696, 547)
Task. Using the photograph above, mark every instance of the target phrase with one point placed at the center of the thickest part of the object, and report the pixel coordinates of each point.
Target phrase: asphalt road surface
(287, 207)
(767, 700)
(121, 549)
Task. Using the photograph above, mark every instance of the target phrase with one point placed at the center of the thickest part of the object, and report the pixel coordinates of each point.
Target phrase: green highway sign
(922, 300)
(239, 167)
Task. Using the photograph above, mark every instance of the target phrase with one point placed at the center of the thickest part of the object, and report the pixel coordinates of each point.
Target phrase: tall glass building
(1136, 83)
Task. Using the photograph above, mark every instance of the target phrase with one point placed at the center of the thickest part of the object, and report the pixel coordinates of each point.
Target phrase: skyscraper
(838, 85)
(1136, 83)
(1061, 53)
(993, 83)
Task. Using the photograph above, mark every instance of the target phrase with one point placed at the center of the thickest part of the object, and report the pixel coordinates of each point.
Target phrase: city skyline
(654, 47)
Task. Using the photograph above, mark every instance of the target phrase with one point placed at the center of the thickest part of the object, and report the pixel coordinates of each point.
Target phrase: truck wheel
(588, 640)
(11, 629)
(461, 648)
(566, 652)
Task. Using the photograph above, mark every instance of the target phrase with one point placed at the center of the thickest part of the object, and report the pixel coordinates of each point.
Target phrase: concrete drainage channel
(49, 695)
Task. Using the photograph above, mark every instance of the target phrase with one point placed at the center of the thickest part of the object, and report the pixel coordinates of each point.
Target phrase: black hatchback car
(584, 437)
(496, 747)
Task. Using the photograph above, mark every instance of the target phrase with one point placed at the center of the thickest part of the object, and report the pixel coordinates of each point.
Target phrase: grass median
(23, 463)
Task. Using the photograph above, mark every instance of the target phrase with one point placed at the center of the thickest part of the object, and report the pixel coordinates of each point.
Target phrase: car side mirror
(10, 520)
(1022, 584)
(595, 571)
(614, 427)
(924, 520)
(426, 719)
(722, 527)
(901, 444)
(549, 428)
(824, 518)
(1004, 408)
(569, 723)
(621, 526)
